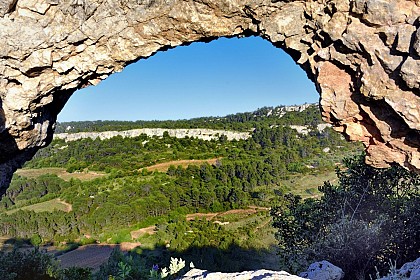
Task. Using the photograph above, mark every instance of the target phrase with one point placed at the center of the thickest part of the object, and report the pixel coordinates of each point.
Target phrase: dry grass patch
(163, 167)
(60, 172)
(307, 185)
(46, 206)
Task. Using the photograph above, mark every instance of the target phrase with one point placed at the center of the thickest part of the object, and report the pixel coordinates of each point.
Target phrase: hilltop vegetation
(266, 116)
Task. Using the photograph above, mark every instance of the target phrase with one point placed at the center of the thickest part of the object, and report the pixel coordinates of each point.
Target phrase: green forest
(232, 205)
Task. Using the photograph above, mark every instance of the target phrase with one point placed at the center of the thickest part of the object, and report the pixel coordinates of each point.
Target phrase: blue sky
(222, 77)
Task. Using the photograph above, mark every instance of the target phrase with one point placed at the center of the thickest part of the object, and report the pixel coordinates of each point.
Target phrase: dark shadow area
(11, 157)
(7, 144)
(383, 112)
(232, 259)
(105, 260)
(399, 129)
(8, 151)
(395, 75)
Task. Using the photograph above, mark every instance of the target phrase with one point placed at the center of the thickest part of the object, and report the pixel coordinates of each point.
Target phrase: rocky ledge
(323, 270)
(362, 55)
(198, 274)
(204, 134)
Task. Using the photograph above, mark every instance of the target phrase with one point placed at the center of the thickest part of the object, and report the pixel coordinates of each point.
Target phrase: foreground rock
(363, 56)
(323, 270)
(197, 274)
(317, 271)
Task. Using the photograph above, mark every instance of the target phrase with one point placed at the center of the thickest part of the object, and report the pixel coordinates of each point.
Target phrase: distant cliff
(205, 134)
(200, 133)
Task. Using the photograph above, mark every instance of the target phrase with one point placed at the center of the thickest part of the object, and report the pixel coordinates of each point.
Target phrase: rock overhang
(362, 55)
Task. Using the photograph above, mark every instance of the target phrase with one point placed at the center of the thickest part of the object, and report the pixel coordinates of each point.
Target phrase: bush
(27, 265)
(36, 240)
(76, 273)
(371, 216)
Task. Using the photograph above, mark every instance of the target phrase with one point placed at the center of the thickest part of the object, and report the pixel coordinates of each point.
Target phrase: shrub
(371, 216)
(27, 265)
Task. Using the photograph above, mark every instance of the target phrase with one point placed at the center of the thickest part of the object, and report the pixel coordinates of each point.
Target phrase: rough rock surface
(323, 270)
(198, 274)
(363, 56)
(199, 133)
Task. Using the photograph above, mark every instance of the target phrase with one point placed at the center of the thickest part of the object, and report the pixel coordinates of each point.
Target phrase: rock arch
(363, 56)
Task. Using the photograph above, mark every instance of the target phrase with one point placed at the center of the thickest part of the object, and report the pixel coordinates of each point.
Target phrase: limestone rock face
(363, 56)
(198, 274)
(204, 134)
(323, 270)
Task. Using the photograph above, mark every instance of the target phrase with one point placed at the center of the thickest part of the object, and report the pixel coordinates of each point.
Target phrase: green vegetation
(370, 217)
(234, 182)
(248, 173)
(265, 116)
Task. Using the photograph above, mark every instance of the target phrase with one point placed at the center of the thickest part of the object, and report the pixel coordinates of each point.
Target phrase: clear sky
(222, 77)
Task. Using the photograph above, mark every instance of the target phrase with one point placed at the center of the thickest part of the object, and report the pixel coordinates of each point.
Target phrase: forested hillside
(307, 114)
(131, 190)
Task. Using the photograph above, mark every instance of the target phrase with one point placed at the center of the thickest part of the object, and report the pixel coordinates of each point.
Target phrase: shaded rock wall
(363, 56)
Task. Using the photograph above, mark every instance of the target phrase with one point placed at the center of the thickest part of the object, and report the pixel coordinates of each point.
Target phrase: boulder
(323, 270)
(198, 274)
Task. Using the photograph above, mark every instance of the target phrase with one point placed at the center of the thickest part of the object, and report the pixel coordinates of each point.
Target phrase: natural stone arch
(363, 56)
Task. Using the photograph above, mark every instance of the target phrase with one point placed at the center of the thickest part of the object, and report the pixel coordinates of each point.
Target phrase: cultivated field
(92, 255)
(238, 213)
(307, 185)
(163, 167)
(60, 172)
(46, 206)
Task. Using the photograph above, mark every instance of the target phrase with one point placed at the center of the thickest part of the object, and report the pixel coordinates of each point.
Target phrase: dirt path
(67, 205)
(269, 220)
(163, 167)
(137, 233)
(208, 216)
(211, 216)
